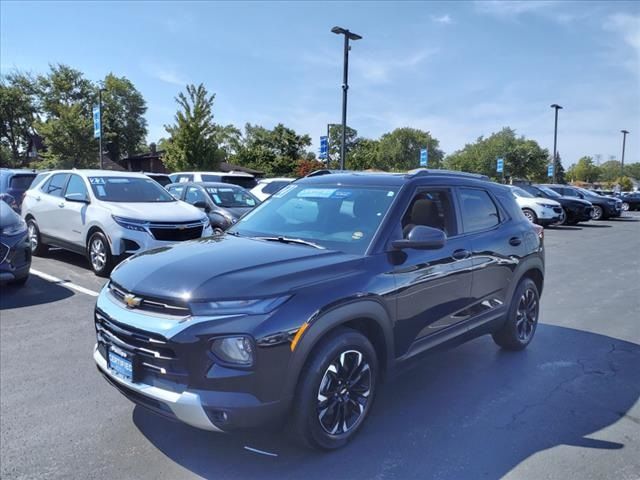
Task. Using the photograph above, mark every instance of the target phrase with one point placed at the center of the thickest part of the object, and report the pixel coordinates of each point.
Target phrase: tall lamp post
(555, 140)
(624, 142)
(345, 86)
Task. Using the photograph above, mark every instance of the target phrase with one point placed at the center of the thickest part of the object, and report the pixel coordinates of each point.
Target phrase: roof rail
(420, 172)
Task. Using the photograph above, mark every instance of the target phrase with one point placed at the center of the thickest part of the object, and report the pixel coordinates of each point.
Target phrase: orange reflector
(299, 333)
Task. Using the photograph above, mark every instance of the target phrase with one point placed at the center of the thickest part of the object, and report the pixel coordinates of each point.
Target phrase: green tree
(194, 137)
(625, 183)
(559, 170)
(584, 171)
(17, 117)
(399, 150)
(65, 100)
(632, 170)
(610, 171)
(523, 158)
(364, 155)
(276, 152)
(335, 141)
(123, 123)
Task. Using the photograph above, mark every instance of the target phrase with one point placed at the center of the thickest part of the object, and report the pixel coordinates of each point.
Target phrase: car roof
(20, 171)
(226, 174)
(276, 179)
(205, 184)
(101, 173)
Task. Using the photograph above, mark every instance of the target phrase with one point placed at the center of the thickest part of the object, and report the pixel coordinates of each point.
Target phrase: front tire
(336, 390)
(35, 239)
(625, 207)
(99, 254)
(530, 214)
(522, 318)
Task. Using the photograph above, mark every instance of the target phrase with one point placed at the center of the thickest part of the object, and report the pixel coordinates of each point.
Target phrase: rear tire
(522, 319)
(336, 390)
(99, 254)
(35, 239)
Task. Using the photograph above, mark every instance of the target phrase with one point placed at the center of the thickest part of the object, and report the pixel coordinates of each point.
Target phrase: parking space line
(65, 283)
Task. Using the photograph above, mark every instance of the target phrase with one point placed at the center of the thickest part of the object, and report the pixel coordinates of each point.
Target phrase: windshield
(519, 192)
(548, 191)
(128, 189)
(588, 193)
(343, 218)
(229, 197)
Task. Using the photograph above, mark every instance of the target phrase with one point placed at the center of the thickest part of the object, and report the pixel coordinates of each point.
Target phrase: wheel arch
(368, 317)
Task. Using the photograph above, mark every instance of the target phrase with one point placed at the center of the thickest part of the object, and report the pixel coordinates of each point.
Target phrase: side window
(478, 210)
(431, 208)
(56, 184)
(176, 191)
(568, 192)
(194, 194)
(273, 187)
(76, 187)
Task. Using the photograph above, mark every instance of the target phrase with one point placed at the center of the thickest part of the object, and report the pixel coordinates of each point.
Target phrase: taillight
(539, 230)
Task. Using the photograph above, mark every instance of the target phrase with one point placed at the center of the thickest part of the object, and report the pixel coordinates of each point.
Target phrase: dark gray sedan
(15, 251)
(222, 202)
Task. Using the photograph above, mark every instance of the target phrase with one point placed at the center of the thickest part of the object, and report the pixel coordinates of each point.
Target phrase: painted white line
(261, 452)
(65, 283)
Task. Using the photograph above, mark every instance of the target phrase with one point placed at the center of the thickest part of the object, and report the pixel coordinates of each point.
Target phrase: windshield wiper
(297, 241)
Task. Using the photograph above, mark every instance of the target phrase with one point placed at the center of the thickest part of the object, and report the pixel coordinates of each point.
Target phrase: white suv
(542, 211)
(106, 215)
(242, 179)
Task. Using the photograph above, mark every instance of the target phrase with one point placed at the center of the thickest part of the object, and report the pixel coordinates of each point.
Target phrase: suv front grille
(148, 304)
(176, 232)
(4, 251)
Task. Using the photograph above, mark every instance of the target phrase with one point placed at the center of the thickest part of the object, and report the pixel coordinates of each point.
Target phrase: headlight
(235, 307)
(237, 350)
(15, 229)
(546, 205)
(130, 223)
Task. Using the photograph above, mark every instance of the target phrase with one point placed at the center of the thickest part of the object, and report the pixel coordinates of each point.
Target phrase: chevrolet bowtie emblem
(131, 301)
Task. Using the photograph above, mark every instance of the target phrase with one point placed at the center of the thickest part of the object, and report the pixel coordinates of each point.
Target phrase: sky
(459, 70)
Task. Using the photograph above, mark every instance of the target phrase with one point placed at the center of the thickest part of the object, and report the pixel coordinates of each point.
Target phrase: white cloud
(168, 75)
(380, 70)
(503, 9)
(626, 25)
(443, 19)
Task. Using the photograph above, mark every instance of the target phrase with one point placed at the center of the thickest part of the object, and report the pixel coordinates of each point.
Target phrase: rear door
(497, 242)
(434, 286)
(73, 215)
(49, 204)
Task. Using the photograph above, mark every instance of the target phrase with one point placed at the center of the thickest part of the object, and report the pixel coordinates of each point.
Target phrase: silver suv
(106, 215)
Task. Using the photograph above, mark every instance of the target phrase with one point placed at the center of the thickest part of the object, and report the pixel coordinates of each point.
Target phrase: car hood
(229, 267)
(574, 200)
(156, 211)
(533, 202)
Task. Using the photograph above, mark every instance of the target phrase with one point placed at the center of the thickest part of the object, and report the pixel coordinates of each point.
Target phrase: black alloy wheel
(521, 321)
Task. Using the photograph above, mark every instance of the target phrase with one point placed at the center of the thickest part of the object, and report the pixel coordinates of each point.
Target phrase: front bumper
(15, 257)
(549, 215)
(128, 242)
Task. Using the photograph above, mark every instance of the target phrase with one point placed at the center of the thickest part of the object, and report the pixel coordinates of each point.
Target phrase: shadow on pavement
(595, 225)
(562, 227)
(69, 257)
(468, 413)
(35, 292)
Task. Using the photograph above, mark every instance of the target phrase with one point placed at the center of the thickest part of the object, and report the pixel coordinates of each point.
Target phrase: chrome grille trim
(172, 310)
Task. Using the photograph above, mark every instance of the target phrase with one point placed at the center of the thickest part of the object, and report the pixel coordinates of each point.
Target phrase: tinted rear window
(273, 187)
(21, 182)
(478, 210)
(245, 182)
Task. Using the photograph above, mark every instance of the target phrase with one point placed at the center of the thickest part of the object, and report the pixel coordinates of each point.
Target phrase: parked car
(603, 207)
(540, 211)
(162, 178)
(244, 180)
(575, 210)
(268, 186)
(107, 215)
(630, 201)
(310, 300)
(222, 202)
(15, 254)
(13, 184)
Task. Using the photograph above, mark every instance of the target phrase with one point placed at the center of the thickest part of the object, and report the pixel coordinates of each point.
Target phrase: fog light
(236, 350)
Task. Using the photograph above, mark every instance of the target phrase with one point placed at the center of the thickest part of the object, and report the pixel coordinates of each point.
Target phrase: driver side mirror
(422, 238)
(77, 197)
(202, 206)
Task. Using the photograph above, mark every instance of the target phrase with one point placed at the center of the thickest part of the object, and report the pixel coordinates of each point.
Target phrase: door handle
(37, 199)
(461, 254)
(515, 241)
(61, 205)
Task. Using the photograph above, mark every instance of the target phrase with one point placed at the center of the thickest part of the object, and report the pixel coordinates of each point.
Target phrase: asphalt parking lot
(568, 407)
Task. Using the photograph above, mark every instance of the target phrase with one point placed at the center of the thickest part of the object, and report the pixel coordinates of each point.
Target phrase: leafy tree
(123, 123)
(399, 150)
(523, 158)
(335, 141)
(364, 155)
(65, 101)
(632, 170)
(17, 117)
(559, 169)
(194, 142)
(276, 152)
(306, 166)
(584, 171)
(610, 171)
(625, 183)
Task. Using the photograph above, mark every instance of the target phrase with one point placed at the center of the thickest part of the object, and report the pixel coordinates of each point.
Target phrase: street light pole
(555, 140)
(345, 86)
(624, 141)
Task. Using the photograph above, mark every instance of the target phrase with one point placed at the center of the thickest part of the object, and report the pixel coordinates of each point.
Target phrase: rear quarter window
(21, 182)
(479, 212)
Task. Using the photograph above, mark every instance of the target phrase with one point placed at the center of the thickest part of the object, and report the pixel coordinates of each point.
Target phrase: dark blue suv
(304, 306)
(13, 184)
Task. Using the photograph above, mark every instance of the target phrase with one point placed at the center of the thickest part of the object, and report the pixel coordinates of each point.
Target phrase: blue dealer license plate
(120, 364)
